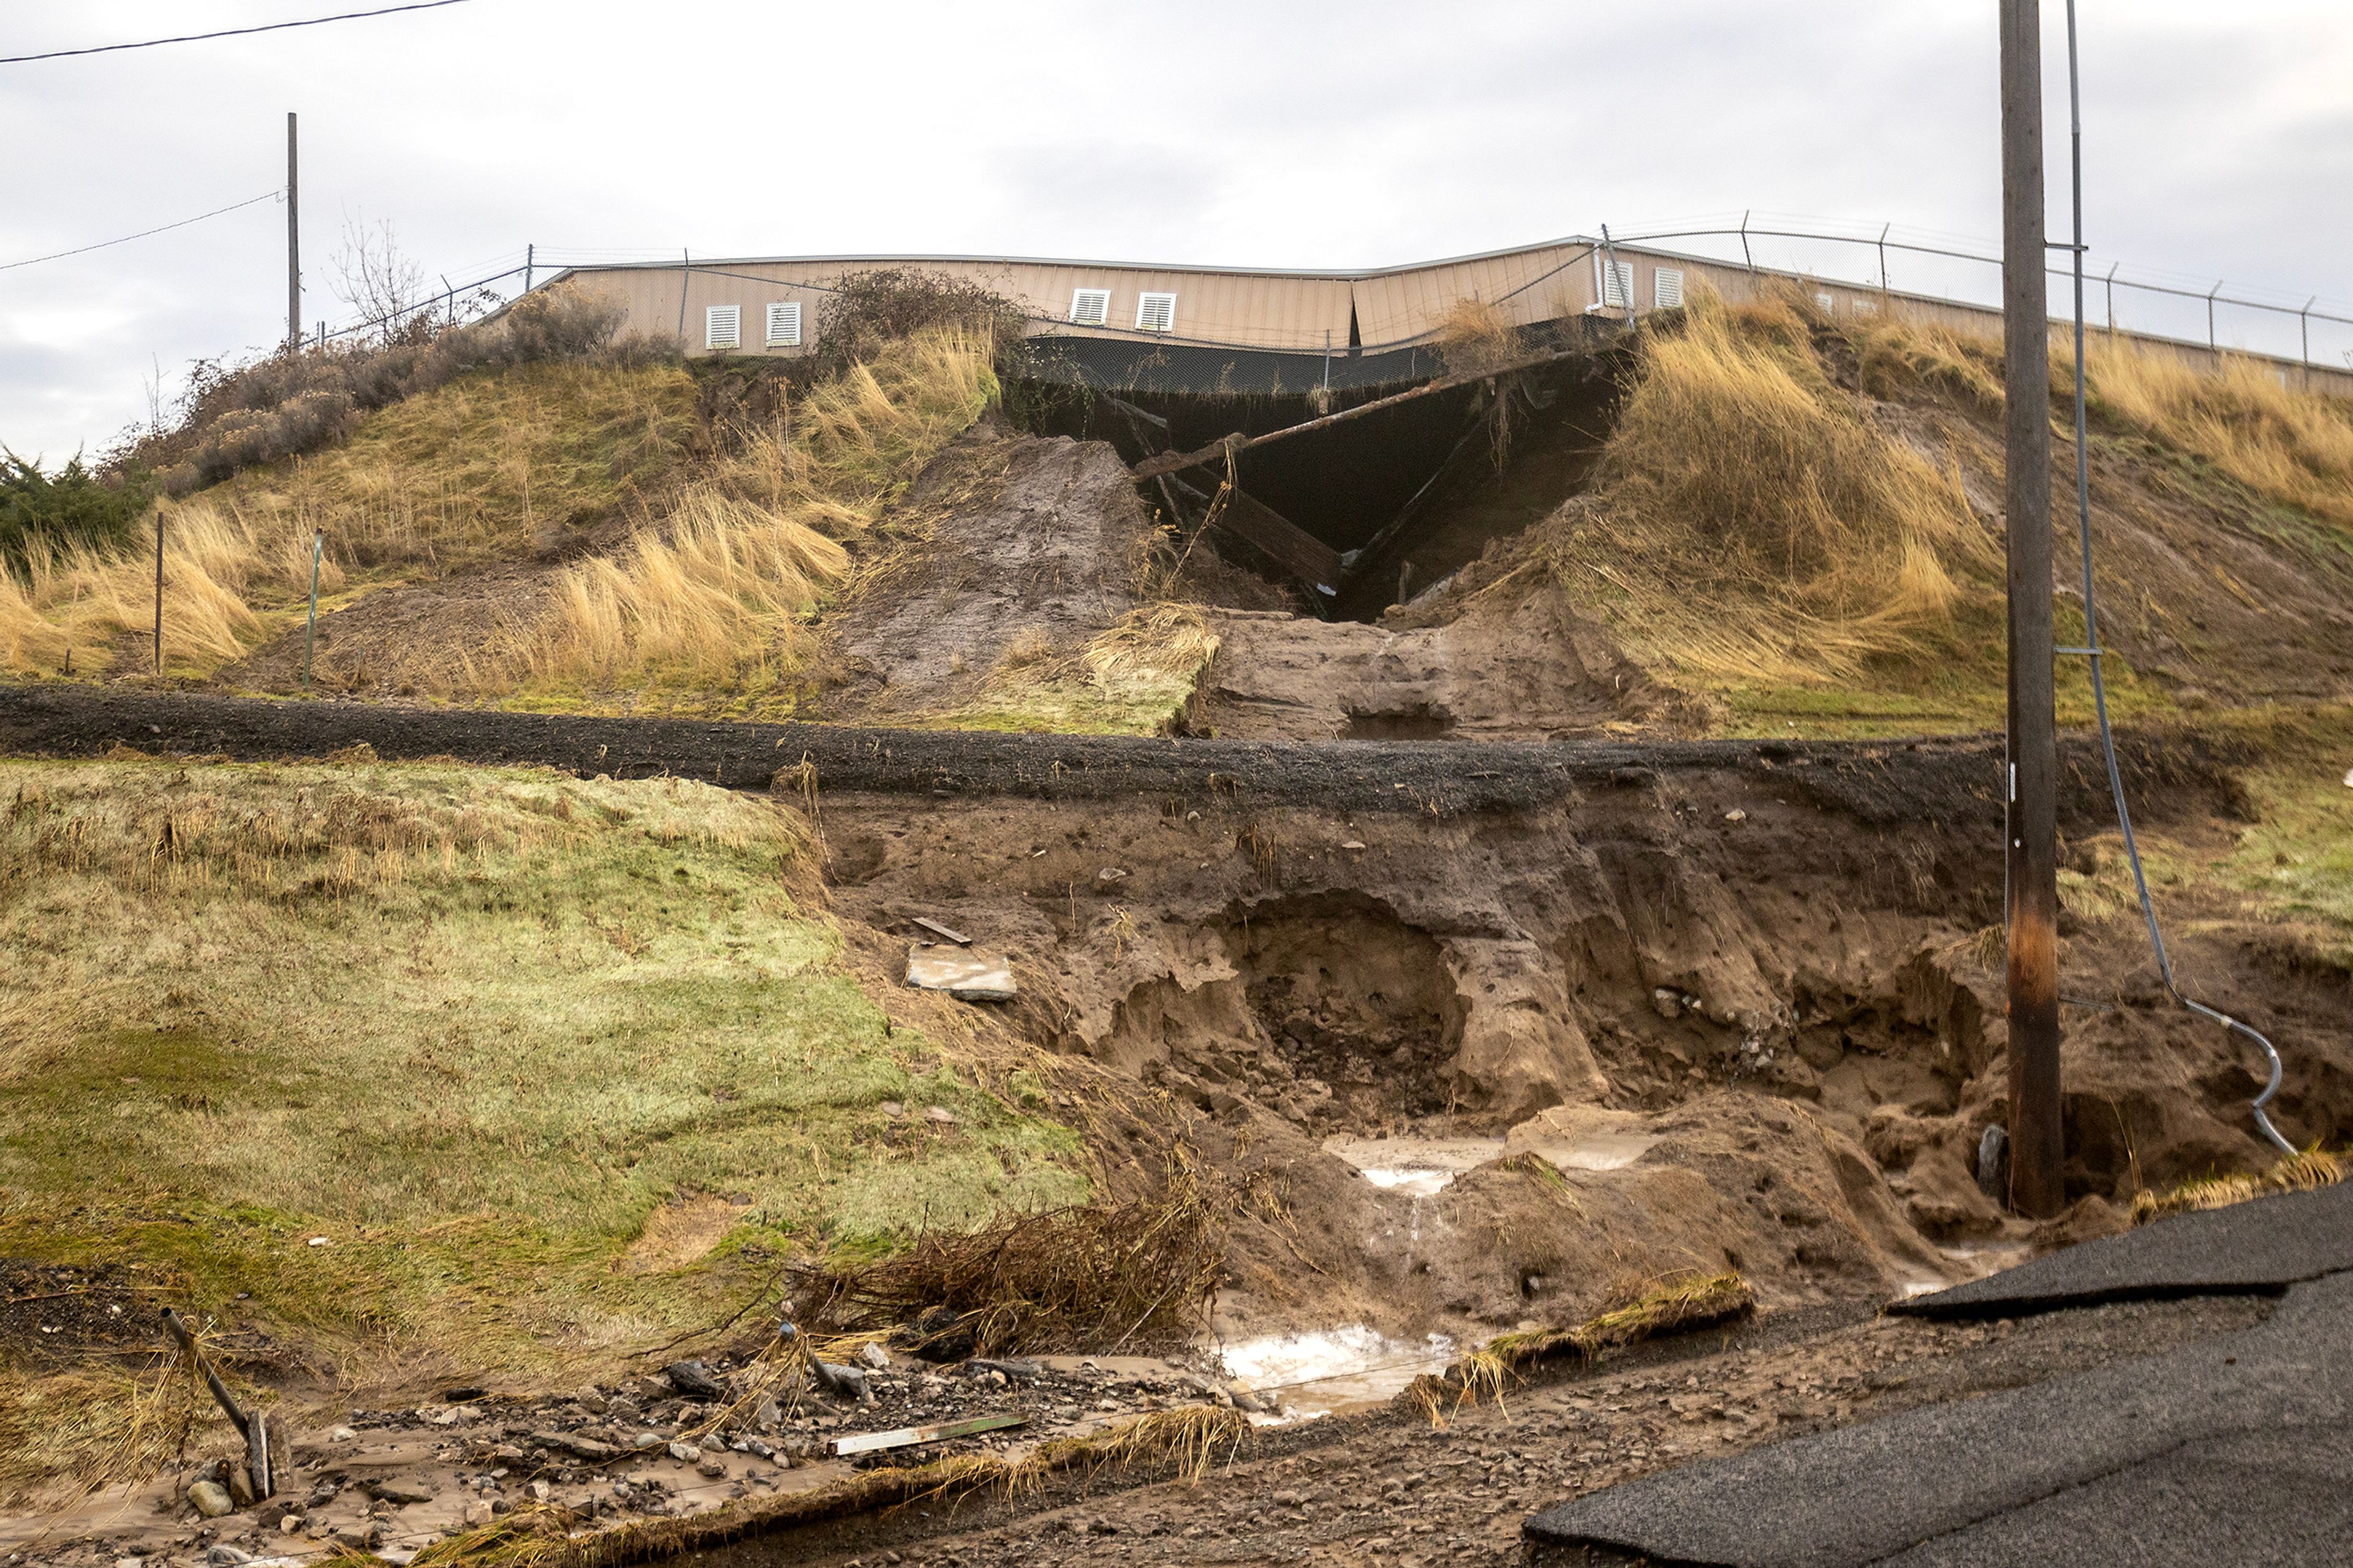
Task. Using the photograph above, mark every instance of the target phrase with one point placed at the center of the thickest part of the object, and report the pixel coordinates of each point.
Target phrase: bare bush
(883, 304)
(235, 417)
(375, 278)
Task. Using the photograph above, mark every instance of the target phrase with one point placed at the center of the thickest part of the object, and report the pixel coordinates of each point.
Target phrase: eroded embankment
(1696, 1017)
(1752, 971)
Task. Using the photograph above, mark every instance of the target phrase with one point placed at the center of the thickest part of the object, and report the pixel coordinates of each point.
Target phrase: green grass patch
(472, 1026)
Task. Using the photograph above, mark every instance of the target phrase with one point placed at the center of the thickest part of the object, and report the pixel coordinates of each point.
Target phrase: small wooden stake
(311, 628)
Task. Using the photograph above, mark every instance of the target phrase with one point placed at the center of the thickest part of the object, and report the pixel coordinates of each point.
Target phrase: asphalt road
(1951, 781)
(2228, 1450)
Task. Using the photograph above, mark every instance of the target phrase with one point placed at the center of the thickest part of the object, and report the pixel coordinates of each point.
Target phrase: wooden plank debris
(939, 1432)
(938, 930)
(1305, 556)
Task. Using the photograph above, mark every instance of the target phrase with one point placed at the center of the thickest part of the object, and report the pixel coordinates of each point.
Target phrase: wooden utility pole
(2030, 842)
(293, 245)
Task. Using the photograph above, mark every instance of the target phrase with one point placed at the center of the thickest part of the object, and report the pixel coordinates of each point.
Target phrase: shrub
(72, 508)
(872, 308)
(237, 417)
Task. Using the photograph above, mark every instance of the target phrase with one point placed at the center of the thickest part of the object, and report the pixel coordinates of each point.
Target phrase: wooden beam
(1299, 551)
(908, 1436)
(1171, 462)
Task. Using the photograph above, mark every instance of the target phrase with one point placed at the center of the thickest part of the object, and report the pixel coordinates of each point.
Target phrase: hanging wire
(2091, 648)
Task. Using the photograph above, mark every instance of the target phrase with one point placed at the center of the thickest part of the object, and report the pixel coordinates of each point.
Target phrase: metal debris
(967, 974)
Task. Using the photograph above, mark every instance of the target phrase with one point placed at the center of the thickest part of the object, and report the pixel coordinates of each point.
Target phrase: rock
(1352, 844)
(210, 1498)
(645, 1440)
(711, 1470)
(291, 1525)
(874, 1355)
(693, 1379)
(1666, 1002)
(451, 1415)
(941, 1114)
(477, 1514)
(846, 1381)
(400, 1494)
(223, 1555)
(240, 1486)
(1111, 874)
(572, 1443)
(892, 1109)
(1736, 815)
(768, 1417)
(685, 1453)
(541, 1491)
(362, 1535)
(340, 1435)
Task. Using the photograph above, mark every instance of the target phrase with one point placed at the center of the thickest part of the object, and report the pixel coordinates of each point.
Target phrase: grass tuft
(2294, 1173)
(1676, 1304)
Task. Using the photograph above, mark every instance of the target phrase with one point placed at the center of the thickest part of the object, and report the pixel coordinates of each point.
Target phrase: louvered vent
(1616, 282)
(784, 324)
(1667, 288)
(1091, 307)
(1829, 304)
(1156, 312)
(723, 327)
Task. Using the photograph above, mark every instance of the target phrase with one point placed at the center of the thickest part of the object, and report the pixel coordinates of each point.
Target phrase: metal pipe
(2092, 632)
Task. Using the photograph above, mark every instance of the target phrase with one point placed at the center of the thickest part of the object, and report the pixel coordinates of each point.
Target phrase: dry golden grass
(2246, 418)
(2296, 1173)
(2291, 446)
(712, 602)
(1749, 522)
(477, 469)
(1474, 336)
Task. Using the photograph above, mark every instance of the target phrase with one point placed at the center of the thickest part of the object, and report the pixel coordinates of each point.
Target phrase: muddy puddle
(1325, 1371)
(1424, 1166)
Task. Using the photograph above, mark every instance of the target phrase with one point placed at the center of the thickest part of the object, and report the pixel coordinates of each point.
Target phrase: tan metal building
(1240, 329)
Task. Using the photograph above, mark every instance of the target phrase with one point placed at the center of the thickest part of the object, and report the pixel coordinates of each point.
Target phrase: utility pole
(2030, 839)
(293, 245)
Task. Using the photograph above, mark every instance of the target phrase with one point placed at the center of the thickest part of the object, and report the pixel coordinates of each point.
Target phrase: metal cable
(2091, 629)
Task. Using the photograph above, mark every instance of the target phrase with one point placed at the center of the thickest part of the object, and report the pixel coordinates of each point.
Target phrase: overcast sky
(2220, 144)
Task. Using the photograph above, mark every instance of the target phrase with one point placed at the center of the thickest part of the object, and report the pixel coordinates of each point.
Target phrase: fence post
(1745, 254)
(2213, 347)
(311, 626)
(685, 277)
(1883, 256)
(2112, 297)
(2303, 327)
(159, 592)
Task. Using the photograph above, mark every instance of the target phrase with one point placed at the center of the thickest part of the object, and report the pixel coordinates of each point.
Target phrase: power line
(230, 32)
(101, 244)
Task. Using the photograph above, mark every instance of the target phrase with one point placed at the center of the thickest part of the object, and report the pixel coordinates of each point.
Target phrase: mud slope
(1006, 548)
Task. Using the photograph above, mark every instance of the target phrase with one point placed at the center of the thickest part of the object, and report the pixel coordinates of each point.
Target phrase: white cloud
(1237, 131)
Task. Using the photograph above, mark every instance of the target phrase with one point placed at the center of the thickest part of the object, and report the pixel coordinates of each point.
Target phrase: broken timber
(908, 1436)
(1174, 462)
(253, 1427)
(1291, 546)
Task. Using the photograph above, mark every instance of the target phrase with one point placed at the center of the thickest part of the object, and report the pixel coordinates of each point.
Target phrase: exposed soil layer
(1524, 669)
(1007, 551)
(1774, 998)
